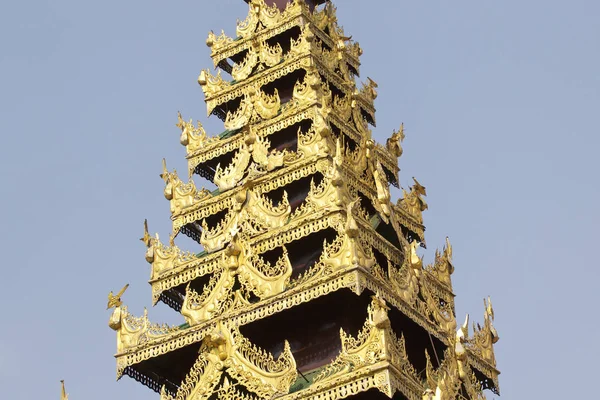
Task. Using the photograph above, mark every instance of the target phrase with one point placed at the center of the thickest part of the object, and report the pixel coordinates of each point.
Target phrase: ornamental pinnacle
(306, 282)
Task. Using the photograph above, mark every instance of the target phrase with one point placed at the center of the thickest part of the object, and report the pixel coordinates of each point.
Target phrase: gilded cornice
(315, 283)
(225, 351)
(297, 14)
(262, 184)
(243, 211)
(218, 91)
(223, 47)
(325, 277)
(289, 116)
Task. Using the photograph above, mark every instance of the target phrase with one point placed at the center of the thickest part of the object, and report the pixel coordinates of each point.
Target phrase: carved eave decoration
(330, 274)
(225, 351)
(314, 285)
(276, 22)
(238, 262)
(480, 347)
(260, 185)
(376, 359)
(318, 213)
(292, 113)
(289, 115)
(135, 331)
(410, 222)
(218, 91)
(166, 259)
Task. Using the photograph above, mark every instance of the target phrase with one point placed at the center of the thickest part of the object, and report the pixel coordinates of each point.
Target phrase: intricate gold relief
(229, 177)
(253, 106)
(375, 343)
(225, 350)
(343, 107)
(484, 337)
(311, 90)
(164, 259)
(413, 203)
(261, 210)
(394, 143)
(349, 249)
(259, 52)
(193, 138)
(180, 195)
(216, 43)
(252, 148)
(405, 281)
(329, 58)
(197, 308)
(132, 331)
(368, 90)
(262, 16)
(324, 17)
(438, 308)
(243, 69)
(454, 372)
(303, 44)
(313, 143)
(259, 13)
(231, 392)
(215, 239)
(267, 160)
(262, 278)
(443, 268)
(255, 275)
(354, 50)
(405, 219)
(359, 158)
(445, 379)
(212, 85)
(249, 211)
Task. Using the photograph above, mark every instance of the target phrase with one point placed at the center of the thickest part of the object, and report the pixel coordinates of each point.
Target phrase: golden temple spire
(296, 166)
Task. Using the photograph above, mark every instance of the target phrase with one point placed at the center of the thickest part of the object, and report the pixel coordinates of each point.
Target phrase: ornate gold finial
(394, 143)
(419, 189)
(413, 202)
(115, 300)
(489, 311)
(63, 393)
(146, 238)
(369, 89)
(416, 262)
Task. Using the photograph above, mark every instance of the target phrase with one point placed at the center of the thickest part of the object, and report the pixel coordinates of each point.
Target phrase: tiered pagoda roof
(306, 283)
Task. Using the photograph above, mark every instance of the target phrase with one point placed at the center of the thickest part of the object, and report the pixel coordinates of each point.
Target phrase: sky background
(500, 101)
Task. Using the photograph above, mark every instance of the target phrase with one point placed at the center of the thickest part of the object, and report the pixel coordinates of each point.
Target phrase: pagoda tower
(305, 283)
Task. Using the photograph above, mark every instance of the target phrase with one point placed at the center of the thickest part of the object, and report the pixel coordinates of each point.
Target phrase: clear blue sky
(500, 101)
